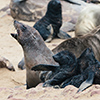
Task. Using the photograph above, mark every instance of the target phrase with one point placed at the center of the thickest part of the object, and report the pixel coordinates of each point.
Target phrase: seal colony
(35, 51)
(73, 69)
(81, 72)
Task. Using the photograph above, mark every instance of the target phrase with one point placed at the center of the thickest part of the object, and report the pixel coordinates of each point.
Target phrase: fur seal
(78, 44)
(5, 63)
(66, 69)
(35, 51)
(88, 20)
(89, 71)
(52, 17)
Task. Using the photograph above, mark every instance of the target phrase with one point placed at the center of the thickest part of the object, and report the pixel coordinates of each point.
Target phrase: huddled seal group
(76, 60)
(81, 72)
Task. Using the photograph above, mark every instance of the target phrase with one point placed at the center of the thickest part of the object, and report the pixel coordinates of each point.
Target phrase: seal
(88, 20)
(66, 69)
(35, 51)
(53, 16)
(90, 71)
(77, 45)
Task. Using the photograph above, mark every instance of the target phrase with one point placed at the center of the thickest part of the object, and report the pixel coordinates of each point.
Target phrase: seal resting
(27, 10)
(89, 71)
(35, 51)
(78, 44)
(88, 20)
(5, 63)
(66, 69)
(52, 17)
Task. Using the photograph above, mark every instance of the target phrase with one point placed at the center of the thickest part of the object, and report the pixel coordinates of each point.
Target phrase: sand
(12, 84)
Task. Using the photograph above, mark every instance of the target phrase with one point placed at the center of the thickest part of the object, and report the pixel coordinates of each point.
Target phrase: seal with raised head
(66, 69)
(53, 16)
(35, 51)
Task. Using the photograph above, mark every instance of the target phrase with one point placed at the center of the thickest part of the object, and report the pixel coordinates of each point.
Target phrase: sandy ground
(10, 49)
(12, 83)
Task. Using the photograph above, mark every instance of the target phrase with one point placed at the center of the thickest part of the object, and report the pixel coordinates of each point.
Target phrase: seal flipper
(87, 83)
(44, 67)
(50, 37)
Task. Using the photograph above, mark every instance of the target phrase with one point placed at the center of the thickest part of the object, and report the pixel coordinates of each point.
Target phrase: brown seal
(77, 44)
(35, 51)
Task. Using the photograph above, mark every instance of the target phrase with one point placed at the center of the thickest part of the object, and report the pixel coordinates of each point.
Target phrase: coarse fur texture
(66, 69)
(78, 44)
(88, 20)
(35, 51)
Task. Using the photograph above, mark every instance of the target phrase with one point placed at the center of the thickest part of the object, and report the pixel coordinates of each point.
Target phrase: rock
(5, 63)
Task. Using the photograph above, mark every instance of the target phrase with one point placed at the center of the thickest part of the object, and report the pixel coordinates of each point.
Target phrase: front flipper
(87, 83)
(50, 37)
(44, 67)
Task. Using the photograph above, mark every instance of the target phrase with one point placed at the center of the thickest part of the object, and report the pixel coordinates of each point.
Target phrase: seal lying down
(81, 73)
(66, 69)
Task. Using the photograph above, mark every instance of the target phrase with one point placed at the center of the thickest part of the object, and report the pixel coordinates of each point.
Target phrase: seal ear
(14, 35)
(44, 67)
(87, 83)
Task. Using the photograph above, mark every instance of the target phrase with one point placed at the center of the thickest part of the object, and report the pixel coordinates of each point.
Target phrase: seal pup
(66, 69)
(35, 51)
(5, 63)
(89, 71)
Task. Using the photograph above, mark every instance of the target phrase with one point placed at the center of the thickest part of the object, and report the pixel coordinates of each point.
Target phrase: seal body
(88, 20)
(78, 44)
(66, 69)
(53, 16)
(35, 51)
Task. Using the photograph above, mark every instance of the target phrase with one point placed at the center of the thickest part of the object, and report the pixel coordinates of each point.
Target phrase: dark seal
(66, 69)
(53, 16)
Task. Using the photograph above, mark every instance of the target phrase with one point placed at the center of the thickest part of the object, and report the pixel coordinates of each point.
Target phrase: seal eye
(23, 28)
